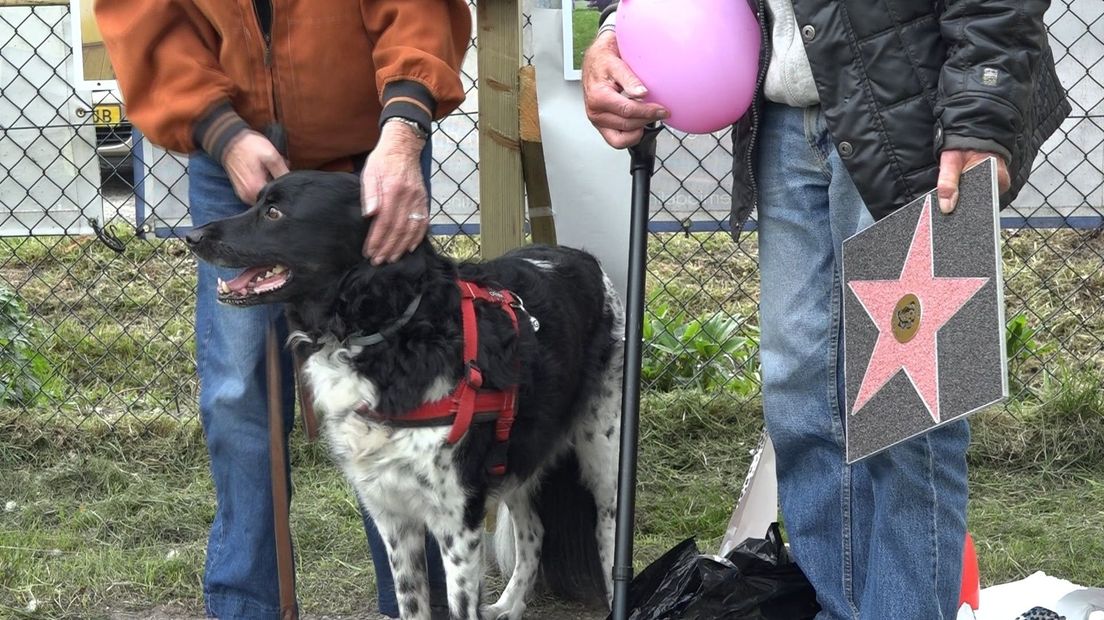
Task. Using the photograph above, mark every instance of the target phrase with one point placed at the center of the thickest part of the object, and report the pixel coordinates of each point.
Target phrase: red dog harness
(469, 402)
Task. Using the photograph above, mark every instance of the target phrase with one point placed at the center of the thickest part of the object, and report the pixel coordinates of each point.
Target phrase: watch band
(421, 133)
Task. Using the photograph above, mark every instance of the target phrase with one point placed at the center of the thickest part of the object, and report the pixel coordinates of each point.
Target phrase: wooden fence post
(501, 197)
(541, 220)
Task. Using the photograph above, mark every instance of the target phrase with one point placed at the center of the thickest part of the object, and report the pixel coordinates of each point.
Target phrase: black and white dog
(383, 341)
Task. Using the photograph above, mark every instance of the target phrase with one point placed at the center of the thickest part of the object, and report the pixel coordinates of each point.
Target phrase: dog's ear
(347, 188)
(414, 264)
(409, 270)
(369, 292)
(263, 193)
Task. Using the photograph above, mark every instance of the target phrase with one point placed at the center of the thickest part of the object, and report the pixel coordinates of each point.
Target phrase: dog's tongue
(241, 283)
(256, 280)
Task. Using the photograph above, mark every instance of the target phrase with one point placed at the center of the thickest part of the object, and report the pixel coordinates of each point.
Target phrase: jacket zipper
(266, 35)
(765, 42)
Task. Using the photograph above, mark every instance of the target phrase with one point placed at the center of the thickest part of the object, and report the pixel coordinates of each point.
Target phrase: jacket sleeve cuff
(967, 143)
(408, 99)
(607, 25)
(217, 128)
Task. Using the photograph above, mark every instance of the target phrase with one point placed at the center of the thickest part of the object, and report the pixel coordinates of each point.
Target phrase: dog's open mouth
(253, 283)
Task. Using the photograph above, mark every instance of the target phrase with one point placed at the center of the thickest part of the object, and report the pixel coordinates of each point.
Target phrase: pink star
(912, 347)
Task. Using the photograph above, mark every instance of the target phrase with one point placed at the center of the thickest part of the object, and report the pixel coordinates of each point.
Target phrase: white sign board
(589, 181)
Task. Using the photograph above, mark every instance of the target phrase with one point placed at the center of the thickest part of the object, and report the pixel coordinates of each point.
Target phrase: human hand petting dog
(611, 92)
(251, 160)
(951, 164)
(394, 193)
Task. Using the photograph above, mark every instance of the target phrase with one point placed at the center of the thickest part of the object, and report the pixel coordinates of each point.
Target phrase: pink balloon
(698, 58)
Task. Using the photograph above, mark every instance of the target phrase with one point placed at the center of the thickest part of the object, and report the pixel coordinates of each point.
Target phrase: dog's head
(305, 229)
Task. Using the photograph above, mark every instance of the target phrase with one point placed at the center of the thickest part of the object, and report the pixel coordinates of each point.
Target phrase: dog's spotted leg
(464, 568)
(405, 542)
(596, 446)
(528, 536)
(462, 555)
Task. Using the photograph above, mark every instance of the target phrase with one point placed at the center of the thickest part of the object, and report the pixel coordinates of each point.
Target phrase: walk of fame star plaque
(924, 317)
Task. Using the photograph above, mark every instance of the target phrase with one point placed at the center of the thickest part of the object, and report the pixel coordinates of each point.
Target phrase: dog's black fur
(311, 223)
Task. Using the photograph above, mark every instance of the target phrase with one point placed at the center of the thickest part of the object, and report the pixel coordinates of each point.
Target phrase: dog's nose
(194, 236)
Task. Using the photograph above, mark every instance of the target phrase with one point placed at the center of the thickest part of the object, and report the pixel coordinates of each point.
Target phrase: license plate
(107, 115)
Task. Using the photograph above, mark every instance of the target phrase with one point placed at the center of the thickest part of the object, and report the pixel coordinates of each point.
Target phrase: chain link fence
(97, 291)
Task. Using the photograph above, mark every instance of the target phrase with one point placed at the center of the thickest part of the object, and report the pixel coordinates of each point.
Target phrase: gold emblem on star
(906, 318)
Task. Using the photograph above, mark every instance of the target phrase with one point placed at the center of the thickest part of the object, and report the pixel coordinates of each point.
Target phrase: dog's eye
(273, 213)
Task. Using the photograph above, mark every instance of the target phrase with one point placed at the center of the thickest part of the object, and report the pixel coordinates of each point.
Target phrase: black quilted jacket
(899, 80)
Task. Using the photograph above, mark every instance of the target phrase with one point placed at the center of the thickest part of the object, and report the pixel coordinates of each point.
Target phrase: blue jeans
(882, 539)
(240, 578)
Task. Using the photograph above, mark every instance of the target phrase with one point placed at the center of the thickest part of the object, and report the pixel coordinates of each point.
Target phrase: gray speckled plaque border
(970, 348)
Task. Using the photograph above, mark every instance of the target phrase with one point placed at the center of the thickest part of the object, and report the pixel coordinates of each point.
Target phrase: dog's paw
(500, 612)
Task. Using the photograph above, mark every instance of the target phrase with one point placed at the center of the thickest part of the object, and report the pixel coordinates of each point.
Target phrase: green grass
(585, 25)
(119, 518)
(1024, 522)
(1060, 433)
(115, 328)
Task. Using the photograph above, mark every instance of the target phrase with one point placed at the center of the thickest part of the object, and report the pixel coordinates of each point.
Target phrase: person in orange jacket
(348, 85)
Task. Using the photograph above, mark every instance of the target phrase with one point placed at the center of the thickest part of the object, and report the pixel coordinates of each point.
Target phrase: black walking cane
(285, 570)
(278, 471)
(642, 167)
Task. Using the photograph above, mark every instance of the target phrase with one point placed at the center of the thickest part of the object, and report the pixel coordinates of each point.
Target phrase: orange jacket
(195, 72)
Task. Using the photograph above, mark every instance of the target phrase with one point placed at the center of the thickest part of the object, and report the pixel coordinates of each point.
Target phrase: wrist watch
(421, 133)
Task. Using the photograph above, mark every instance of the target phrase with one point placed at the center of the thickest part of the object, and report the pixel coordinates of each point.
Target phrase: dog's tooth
(278, 269)
(223, 287)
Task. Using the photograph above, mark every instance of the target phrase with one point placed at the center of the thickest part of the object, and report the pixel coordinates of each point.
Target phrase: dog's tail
(571, 568)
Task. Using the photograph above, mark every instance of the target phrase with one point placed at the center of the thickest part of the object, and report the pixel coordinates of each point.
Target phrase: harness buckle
(473, 375)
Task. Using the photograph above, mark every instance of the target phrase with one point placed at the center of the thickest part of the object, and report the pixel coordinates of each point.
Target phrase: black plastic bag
(755, 581)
